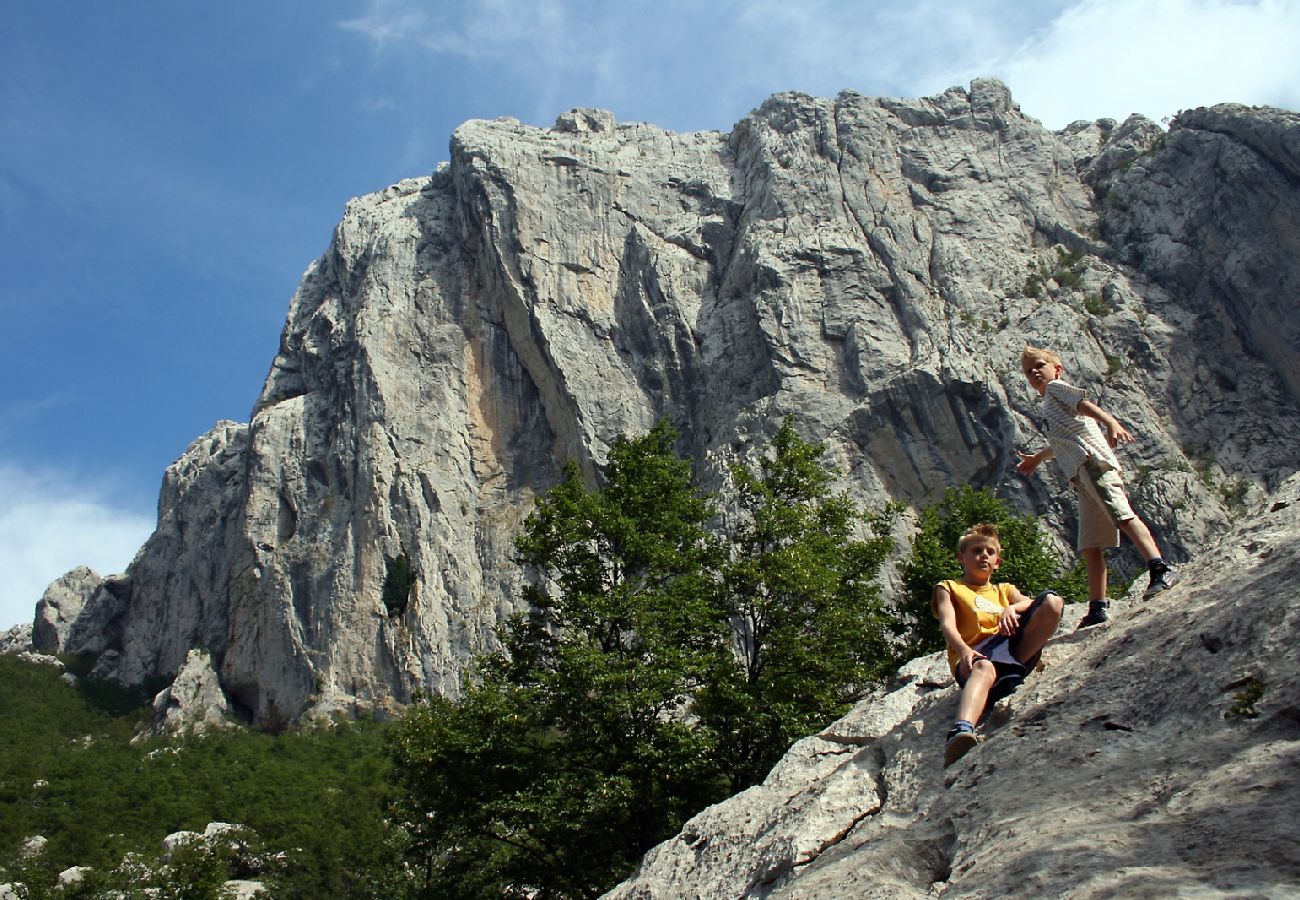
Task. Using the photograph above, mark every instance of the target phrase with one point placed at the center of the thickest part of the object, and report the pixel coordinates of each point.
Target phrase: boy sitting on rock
(1076, 440)
(994, 633)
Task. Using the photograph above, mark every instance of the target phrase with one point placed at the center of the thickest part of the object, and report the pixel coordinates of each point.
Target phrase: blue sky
(169, 170)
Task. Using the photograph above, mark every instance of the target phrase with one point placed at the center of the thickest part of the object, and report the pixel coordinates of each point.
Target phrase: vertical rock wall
(871, 266)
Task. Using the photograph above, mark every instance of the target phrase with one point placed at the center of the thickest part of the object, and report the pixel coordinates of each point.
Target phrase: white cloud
(679, 61)
(1109, 58)
(50, 523)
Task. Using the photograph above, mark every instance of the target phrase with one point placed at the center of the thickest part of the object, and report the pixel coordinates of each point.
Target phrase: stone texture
(862, 263)
(18, 638)
(193, 703)
(1133, 763)
(60, 606)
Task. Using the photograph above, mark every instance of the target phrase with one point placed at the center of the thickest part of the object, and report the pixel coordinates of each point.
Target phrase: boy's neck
(977, 581)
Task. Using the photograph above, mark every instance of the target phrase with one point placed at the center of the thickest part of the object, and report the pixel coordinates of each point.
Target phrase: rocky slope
(871, 265)
(1155, 756)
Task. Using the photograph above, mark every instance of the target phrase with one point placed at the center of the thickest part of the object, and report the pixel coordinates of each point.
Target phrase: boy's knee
(983, 669)
(1053, 601)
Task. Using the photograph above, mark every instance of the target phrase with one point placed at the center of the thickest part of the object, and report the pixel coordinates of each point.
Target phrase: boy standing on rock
(994, 633)
(1076, 440)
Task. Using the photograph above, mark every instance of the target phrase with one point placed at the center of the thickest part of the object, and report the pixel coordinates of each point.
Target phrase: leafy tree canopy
(658, 669)
(570, 756)
(802, 594)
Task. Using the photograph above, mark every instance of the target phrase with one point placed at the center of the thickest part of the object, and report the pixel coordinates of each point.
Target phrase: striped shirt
(1073, 437)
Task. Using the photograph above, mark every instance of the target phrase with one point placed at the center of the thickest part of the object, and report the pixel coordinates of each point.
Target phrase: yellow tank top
(977, 611)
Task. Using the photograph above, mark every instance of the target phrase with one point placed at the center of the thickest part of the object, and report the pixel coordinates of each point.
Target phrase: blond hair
(982, 532)
(1034, 354)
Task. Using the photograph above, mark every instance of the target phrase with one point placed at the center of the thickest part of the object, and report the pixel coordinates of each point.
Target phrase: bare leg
(975, 694)
(1040, 628)
(1095, 561)
(1140, 535)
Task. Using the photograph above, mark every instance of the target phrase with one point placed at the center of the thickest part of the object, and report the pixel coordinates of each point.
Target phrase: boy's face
(1040, 373)
(980, 560)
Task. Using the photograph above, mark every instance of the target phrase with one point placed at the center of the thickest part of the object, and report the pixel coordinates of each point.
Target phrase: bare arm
(1031, 461)
(1009, 621)
(1115, 432)
(941, 605)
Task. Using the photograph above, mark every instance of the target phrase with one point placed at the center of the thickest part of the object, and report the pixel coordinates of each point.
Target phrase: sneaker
(960, 741)
(1098, 612)
(1160, 581)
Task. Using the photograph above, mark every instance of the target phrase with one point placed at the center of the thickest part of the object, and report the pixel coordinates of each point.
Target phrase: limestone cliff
(1155, 756)
(871, 265)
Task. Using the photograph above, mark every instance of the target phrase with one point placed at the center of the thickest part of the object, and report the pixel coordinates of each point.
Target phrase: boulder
(60, 606)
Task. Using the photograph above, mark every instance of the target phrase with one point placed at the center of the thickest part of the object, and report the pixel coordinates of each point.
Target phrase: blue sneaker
(960, 740)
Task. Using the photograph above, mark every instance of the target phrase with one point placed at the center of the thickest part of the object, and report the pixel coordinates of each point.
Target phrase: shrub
(398, 582)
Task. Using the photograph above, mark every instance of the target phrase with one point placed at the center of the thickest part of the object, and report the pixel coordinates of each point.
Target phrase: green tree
(1028, 561)
(570, 756)
(810, 629)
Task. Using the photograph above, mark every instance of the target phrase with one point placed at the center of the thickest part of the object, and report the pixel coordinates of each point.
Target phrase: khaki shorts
(1102, 504)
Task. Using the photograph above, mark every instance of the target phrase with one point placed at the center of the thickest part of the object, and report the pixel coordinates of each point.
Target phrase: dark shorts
(1002, 652)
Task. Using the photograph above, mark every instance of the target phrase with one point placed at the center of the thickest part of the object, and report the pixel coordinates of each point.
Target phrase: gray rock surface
(18, 638)
(871, 265)
(193, 703)
(1157, 755)
(60, 606)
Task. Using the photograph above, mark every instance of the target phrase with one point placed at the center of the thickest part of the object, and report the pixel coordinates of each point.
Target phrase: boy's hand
(1117, 434)
(1008, 622)
(968, 659)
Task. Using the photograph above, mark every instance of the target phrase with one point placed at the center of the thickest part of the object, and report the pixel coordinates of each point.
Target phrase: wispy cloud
(51, 522)
(1109, 58)
(679, 60)
(481, 30)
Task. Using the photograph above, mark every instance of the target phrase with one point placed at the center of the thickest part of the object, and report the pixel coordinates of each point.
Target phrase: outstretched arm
(1115, 432)
(1031, 461)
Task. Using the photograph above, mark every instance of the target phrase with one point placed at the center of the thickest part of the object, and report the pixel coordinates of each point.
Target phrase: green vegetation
(1067, 273)
(1033, 286)
(1096, 305)
(1243, 706)
(1028, 562)
(570, 757)
(1233, 491)
(68, 772)
(1070, 266)
(802, 592)
(399, 579)
(669, 657)
(625, 702)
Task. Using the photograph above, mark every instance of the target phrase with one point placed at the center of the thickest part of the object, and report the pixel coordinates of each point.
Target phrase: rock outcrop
(871, 265)
(1157, 755)
(193, 703)
(60, 606)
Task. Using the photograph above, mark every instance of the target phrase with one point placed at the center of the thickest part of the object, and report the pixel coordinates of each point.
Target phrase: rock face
(1157, 755)
(60, 606)
(193, 703)
(872, 266)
